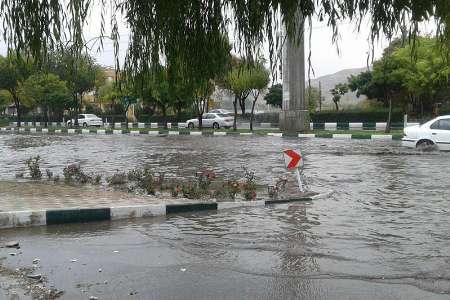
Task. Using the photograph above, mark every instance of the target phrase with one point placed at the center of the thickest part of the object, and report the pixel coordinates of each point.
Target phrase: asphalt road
(131, 260)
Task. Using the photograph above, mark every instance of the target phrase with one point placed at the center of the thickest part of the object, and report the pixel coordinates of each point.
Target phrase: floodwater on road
(383, 233)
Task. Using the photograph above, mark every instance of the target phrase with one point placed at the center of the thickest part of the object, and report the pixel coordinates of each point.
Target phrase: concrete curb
(82, 215)
(134, 132)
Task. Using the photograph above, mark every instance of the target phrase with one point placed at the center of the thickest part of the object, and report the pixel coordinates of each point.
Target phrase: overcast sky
(353, 47)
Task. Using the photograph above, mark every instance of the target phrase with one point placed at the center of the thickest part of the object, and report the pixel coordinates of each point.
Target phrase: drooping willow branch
(192, 30)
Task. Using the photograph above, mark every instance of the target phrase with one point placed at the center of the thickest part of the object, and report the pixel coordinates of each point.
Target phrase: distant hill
(329, 81)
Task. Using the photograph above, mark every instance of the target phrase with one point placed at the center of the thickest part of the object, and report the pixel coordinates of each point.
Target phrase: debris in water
(12, 244)
(35, 276)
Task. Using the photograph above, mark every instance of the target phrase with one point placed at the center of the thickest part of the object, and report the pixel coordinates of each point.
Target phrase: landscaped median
(42, 217)
(340, 134)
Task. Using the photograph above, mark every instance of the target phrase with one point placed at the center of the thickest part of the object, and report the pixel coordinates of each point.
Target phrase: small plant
(56, 178)
(118, 178)
(49, 174)
(175, 190)
(249, 185)
(33, 164)
(150, 186)
(71, 172)
(275, 190)
(96, 179)
(233, 188)
(135, 174)
(190, 190)
(204, 179)
(19, 175)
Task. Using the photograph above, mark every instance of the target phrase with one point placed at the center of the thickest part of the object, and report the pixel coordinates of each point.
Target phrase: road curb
(83, 215)
(133, 132)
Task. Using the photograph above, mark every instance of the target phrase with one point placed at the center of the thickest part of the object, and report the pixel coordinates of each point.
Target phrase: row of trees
(410, 76)
(55, 86)
(62, 82)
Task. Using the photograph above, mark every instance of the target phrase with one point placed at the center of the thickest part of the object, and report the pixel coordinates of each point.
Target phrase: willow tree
(180, 28)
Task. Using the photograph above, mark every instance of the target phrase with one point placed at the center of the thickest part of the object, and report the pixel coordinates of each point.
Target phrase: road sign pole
(299, 179)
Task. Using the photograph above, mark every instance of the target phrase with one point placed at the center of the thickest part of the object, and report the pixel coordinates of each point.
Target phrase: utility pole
(294, 116)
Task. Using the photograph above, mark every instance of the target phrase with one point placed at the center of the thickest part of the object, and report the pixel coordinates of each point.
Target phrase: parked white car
(433, 133)
(221, 111)
(214, 120)
(86, 120)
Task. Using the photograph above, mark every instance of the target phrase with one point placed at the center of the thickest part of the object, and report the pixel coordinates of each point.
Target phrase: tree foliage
(13, 72)
(80, 72)
(338, 91)
(48, 92)
(417, 82)
(275, 95)
(189, 29)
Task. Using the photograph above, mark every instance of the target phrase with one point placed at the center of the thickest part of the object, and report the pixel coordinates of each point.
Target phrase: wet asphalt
(126, 260)
(382, 234)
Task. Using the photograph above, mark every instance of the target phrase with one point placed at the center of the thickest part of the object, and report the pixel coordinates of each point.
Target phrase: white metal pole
(300, 185)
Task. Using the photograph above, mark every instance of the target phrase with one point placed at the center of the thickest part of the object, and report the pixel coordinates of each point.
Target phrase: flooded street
(382, 234)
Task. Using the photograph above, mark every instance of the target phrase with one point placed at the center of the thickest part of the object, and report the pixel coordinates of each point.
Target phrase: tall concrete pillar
(294, 115)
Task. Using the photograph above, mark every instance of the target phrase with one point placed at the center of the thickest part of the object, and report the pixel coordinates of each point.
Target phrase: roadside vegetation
(408, 79)
(143, 181)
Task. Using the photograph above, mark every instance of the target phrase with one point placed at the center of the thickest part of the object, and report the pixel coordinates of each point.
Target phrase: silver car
(86, 120)
(213, 120)
(221, 111)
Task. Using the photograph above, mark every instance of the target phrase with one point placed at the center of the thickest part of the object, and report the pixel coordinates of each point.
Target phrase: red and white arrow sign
(293, 159)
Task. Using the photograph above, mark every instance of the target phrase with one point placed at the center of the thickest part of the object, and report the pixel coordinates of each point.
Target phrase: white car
(86, 120)
(433, 133)
(221, 111)
(214, 120)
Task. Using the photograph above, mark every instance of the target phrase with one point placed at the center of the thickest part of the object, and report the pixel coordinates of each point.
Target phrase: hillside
(329, 81)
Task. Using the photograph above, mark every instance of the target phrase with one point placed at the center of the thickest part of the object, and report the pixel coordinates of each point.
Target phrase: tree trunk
(126, 115)
(46, 116)
(388, 123)
(235, 112)
(252, 115)
(337, 105)
(75, 98)
(164, 112)
(242, 105)
(18, 109)
(200, 121)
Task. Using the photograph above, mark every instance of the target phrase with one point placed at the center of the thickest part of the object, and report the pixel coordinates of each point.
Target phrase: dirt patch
(16, 285)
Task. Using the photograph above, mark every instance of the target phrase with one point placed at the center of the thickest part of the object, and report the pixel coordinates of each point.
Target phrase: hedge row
(355, 116)
(339, 117)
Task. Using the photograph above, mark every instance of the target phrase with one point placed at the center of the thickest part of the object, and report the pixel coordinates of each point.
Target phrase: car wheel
(69, 124)
(85, 124)
(216, 126)
(191, 125)
(425, 145)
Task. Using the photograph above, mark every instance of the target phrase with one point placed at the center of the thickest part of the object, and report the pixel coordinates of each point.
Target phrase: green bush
(145, 118)
(350, 116)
